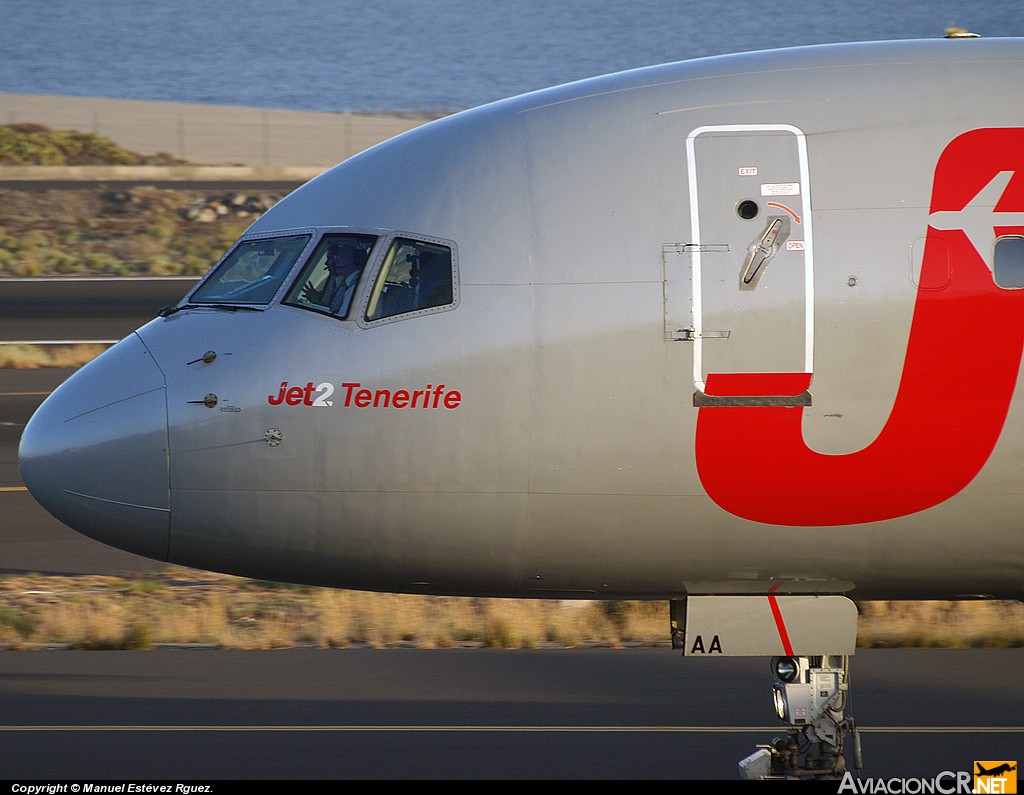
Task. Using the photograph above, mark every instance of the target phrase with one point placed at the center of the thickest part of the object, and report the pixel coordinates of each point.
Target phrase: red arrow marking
(787, 209)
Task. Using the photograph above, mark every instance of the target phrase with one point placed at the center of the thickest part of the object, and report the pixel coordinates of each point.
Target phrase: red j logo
(954, 392)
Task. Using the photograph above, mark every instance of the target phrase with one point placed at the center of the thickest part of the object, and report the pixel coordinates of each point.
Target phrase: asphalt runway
(30, 539)
(61, 309)
(21, 391)
(83, 309)
(474, 713)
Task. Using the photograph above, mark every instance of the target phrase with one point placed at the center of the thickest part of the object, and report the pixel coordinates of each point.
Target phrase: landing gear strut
(811, 694)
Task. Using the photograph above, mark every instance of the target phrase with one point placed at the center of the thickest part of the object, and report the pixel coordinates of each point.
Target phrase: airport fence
(213, 134)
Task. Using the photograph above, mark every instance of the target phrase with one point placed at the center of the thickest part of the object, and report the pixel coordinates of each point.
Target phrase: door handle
(761, 251)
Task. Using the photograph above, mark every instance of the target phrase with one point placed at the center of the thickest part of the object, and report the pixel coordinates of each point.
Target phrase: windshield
(252, 272)
(329, 280)
(416, 275)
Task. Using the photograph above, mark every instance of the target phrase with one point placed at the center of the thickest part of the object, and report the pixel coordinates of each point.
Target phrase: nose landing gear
(809, 638)
(811, 694)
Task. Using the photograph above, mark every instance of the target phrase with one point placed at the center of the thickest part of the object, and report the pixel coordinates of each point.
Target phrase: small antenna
(960, 33)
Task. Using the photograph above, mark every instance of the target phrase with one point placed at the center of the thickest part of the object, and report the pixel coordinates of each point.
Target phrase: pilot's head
(343, 260)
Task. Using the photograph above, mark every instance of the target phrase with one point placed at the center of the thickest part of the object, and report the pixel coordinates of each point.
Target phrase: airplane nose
(95, 452)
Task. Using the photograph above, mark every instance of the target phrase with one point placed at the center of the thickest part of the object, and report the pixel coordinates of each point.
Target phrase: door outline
(805, 205)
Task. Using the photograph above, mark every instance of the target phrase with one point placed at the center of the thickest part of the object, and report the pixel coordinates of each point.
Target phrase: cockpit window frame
(286, 281)
(374, 272)
(301, 272)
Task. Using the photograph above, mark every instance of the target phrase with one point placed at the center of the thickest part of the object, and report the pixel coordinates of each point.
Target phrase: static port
(747, 209)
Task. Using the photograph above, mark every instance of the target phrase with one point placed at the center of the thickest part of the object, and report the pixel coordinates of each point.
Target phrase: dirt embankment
(143, 231)
(98, 231)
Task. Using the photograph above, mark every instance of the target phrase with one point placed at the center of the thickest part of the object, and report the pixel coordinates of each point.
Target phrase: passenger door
(752, 276)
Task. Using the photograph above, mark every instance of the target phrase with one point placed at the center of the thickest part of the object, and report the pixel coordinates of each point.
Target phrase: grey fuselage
(613, 244)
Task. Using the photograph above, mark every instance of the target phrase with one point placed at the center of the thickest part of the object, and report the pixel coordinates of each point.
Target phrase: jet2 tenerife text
(742, 333)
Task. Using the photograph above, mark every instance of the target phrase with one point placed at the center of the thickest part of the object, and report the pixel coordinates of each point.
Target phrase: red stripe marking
(787, 647)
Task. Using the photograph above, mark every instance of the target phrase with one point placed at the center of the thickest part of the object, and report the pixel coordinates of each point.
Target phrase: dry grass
(31, 357)
(173, 608)
(948, 625)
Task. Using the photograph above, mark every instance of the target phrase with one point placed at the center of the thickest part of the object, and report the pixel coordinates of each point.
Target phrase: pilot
(344, 264)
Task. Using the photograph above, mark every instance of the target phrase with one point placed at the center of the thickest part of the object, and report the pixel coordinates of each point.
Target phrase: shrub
(35, 144)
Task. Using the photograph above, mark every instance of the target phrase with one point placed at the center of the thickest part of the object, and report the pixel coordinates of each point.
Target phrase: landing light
(779, 697)
(785, 668)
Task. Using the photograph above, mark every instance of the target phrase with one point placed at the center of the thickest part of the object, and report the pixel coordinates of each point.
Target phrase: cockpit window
(328, 281)
(252, 272)
(415, 275)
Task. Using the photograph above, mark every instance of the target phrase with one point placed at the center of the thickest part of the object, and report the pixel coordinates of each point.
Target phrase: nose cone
(95, 453)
